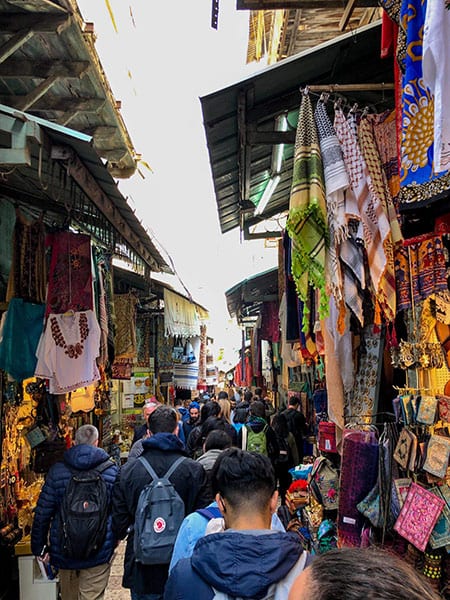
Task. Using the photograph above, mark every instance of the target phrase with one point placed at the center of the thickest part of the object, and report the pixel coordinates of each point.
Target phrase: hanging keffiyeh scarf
(336, 182)
(307, 215)
(377, 233)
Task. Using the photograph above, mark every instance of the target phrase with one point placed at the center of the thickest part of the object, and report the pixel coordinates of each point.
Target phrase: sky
(163, 57)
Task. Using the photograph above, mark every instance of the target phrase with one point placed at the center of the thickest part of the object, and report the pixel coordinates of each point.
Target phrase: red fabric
(388, 36)
(243, 379)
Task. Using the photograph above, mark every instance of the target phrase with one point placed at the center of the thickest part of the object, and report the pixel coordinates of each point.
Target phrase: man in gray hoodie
(215, 443)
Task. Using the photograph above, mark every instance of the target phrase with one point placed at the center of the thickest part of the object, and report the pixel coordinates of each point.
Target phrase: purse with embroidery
(327, 436)
(418, 516)
(444, 408)
(426, 413)
(324, 483)
(405, 450)
(437, 455)
(440, 536)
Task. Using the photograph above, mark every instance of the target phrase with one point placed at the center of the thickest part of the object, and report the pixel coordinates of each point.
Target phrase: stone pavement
(115, 591)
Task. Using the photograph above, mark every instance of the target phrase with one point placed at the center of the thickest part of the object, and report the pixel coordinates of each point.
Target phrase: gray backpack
(159, 514)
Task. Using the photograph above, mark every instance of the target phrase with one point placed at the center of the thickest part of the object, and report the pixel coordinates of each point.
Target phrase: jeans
(136, 596)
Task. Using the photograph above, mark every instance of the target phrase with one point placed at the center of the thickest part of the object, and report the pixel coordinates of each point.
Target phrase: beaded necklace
(72, 350)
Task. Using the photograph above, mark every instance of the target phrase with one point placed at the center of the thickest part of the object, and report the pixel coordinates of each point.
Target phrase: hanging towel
(436, 75)
(306, 223)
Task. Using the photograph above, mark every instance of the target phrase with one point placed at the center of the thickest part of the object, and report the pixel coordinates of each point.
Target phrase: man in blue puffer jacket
(84, 579)
(248, 559)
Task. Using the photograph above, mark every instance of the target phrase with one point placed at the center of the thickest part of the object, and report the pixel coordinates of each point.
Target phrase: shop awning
(240, 121)
(246, 297)
(52, 169)
(49, 67)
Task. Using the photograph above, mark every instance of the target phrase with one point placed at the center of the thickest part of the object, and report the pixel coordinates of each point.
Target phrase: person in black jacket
(142, 430)
(89, 575)
(296, 423)
(161, 450)
(257, 422)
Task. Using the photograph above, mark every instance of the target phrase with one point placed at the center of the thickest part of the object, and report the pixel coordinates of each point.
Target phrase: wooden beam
(42, 69)
(270, 137)
(58, 104)
(368, 16)
(280, 4)
(347, 15)
(296, 23)
(91, 188)
(38, 22)
(27, 101)
(14, 43)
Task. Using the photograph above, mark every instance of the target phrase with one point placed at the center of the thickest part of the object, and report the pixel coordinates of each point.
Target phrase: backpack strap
(150, 469)
(213, 512)
(244, 430)
(104, 465)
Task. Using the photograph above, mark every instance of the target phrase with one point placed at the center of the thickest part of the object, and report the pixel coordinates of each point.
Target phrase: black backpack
(84, 513)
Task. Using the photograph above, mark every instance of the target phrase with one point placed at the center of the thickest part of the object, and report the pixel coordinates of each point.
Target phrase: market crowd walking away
(196, 529)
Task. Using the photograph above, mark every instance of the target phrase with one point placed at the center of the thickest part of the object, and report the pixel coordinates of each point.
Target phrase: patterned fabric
(417, 150)
(418, 516)
(125, 339)
(180, 316)
(376, 229)
(336, 182)
(202, 359)
(270, 326)
(143, 338)
(352, 264)
(423, 259)
(70, 275)
(27, 276)
(359, 472)
(436, 75)
(164, 346)
(385, 132)
(307, 214)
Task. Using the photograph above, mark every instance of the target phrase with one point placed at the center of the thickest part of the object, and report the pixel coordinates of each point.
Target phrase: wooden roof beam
(66, 106)
(347, 15)
(26, 102)
(42, 69)
(15, 43)
(38, 22)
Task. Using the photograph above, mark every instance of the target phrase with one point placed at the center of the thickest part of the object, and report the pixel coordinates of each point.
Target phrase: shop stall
(354, 183)
(68, 319)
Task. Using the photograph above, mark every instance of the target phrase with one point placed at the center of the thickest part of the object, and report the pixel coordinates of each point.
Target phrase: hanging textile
(290, 352)
(180, 316)
(185, 375)
(354, 279)
(421, 258)
(22, 328)
(359, 471)
(376, 229)
(270, 326)
(419, 183)
(436, 75)
(143, 337)
(70, 275)
(306, 222)
(385, 131)
(28, 273)
(202, 359)
(243, 373)
(164, 346)
(106, 315)
(125, 338)
(293, 329)
(336, 182)
(68, 350)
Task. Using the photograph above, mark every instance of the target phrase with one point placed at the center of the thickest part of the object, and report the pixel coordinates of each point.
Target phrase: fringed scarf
(336, 182)
(376, 229)
(306, 223)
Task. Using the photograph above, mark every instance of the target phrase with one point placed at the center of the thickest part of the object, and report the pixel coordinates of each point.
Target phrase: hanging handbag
(426, 413)
(405, 448)
(437, 456)
(327, 436)
(444, 408)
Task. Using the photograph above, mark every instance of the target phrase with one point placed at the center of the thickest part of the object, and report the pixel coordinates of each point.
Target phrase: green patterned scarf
(307, 221)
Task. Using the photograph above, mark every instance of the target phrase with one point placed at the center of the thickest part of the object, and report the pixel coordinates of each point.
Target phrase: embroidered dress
(436, 75)
(21, 331)
(385, 132)
(67, 351)
(307, 221)
(70, 275)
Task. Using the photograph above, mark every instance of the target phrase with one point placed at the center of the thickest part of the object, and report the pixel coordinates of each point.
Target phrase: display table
(32, 584)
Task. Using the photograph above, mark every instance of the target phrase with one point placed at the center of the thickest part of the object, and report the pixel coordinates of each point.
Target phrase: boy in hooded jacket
(248, 559)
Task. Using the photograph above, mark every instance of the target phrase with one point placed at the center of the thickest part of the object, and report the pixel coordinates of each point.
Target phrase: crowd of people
(198, 510)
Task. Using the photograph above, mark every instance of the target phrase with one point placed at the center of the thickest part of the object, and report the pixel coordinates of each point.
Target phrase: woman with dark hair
(209, 420)
(355, 573)
(288, 456)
